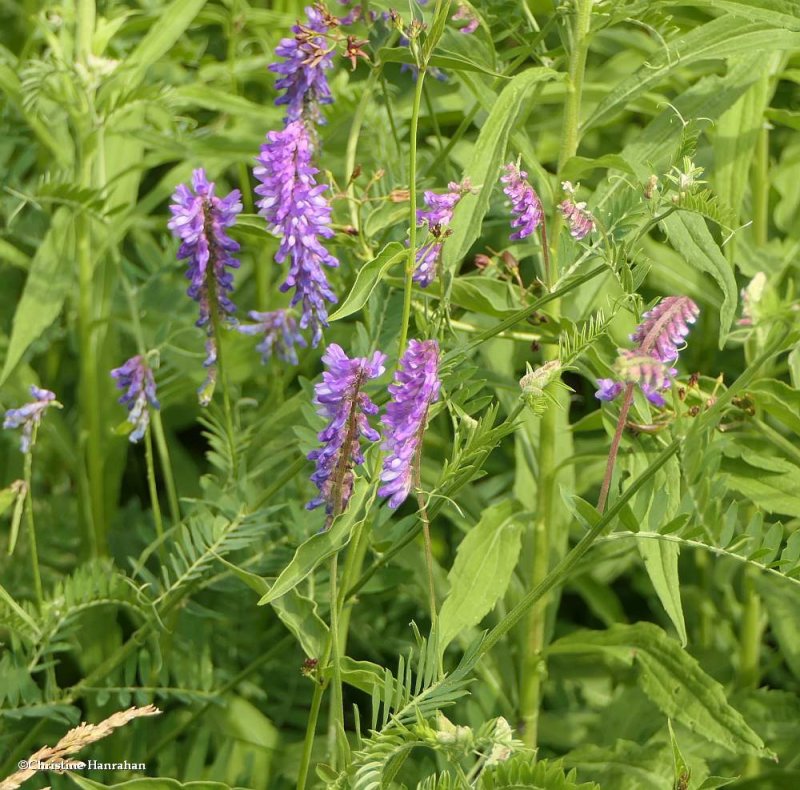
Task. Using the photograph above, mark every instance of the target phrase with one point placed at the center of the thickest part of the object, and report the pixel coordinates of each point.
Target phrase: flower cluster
(295, 209)
(199, 220)
(29, 416)
(437, 216)
(343, 402)
(579, 219)
(136, 377)
(415, 388)
(307, 56)
(465, 12)
(525, 203)
(280, 334)
(650, 364)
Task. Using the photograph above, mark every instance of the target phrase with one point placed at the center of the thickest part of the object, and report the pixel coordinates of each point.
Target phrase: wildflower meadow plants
(400, 396)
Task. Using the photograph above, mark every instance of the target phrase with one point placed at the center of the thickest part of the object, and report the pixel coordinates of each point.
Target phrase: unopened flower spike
(341, 399)
(415, 388)
(525, 203)
(307, 56)
(136, 377)
(579, 219)
(279, 333)
(297, 211)
(540, 386)
(200, 220)
(650, 364)
(29, 416)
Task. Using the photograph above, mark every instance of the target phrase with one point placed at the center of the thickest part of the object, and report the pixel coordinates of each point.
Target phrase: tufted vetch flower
(307, 55)
(579, 219)
(200, 220)
(29, 416)
(415, 388)
(342, 400)
(136, 377)
(650, 364)
(296, 209)
(525, 203)
(279, 332)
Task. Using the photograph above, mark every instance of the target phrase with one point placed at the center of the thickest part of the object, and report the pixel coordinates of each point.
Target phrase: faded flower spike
(437, 216)
(525, 202)
(341, 399)
(650, 364)
(280, 335)
(199, 220)
(296, 210)
(465, 12)
(578, 217)
(136, 377)
(666, 326)
(29, 416)
(307, 57)
(415, 388)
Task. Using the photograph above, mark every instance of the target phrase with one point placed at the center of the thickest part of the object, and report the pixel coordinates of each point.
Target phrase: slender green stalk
(338, 751)
(311, 728)
(28, 475)
(412, 233)
(153, 489)
(540, 541)
(760, 189)
(166, 465)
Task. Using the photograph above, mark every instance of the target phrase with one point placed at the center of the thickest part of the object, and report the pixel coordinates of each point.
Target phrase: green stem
(540, 541)
(311, 728)
(166, 465)
(151, 485)
(338, 753)
(760, 189)
(37, 577)
(412, 233)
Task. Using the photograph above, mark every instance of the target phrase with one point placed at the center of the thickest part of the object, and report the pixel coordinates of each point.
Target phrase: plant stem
(37, 577)
(614, 450)
(760, 189)
(426, 532)
(412, 233)
(338, 754)
(151, 485)
(166, 465)
(311, 727)
(540, 541)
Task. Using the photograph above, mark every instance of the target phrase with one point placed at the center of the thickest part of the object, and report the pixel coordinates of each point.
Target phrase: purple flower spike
(415, 388)
(307, 57)
(525, 202)
(427, 258)
(199, 220)
(296, 210)
(136, 377)
(465, 12)
(667, 326)
(29, 416)
(441, 207)
(280, 333)
(341, 399)
(650, 364)
(578, 217)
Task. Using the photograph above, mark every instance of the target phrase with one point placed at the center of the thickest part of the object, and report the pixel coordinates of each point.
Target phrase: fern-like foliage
(577, 338)
(522, 772)
(707, 204)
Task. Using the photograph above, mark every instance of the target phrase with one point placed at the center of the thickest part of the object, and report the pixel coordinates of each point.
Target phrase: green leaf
(682, 771)
(672, 679)
(163, 34)
(484, 562)
(45, 290)
(778, 399)
(782, 601)
(488, 155)
(770, 482)
(368, 278)
(661, 563)
(690, 237)
(720, 38)
(297, 612)
(783, 14)
(444, 59)
(147, 783)
(320, 546)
